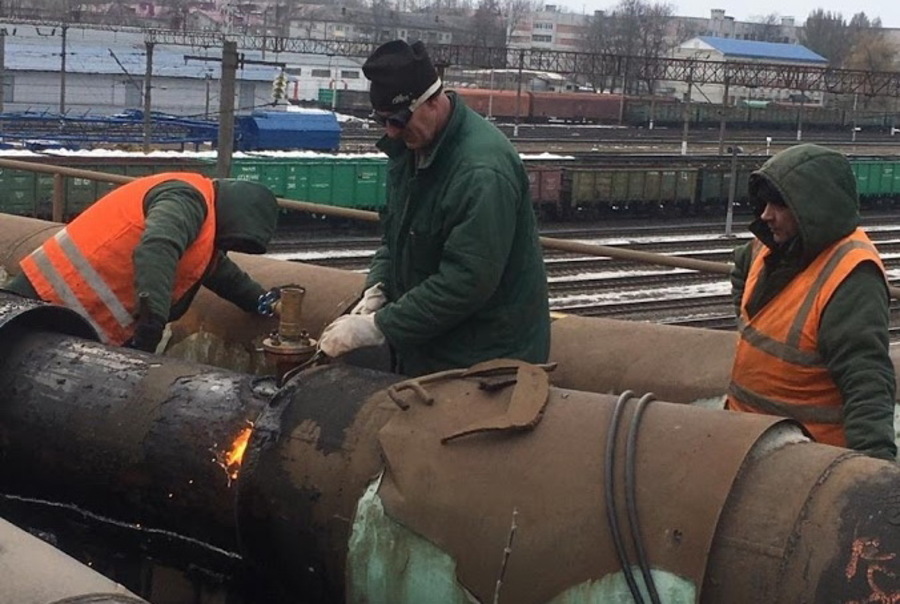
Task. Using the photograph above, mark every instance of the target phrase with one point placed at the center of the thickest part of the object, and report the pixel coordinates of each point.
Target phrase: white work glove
(350, 332)
(372, 300)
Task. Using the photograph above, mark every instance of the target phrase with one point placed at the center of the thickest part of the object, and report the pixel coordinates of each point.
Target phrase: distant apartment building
(549, 29)
(371, 25)
(720, 25)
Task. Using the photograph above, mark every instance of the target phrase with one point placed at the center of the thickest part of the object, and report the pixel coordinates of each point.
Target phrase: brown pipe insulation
(34, 572)
(594, 354)
(356, 486)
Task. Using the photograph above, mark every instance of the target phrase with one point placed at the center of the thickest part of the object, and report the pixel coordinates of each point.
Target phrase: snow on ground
(614, 296)
(312, 256)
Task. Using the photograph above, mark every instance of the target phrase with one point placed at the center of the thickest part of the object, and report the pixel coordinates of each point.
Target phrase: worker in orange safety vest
(135, 259)
(812, 301)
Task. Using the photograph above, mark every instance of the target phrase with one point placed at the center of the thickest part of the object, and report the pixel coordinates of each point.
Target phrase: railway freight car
(348, 102)
(749, 115)
(878, 182)
(603, 191)
(575, 107)
(31, 193)
(503, 105)
(561, 189)
(541, 107)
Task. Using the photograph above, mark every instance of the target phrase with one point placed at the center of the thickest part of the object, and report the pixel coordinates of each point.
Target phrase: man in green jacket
(246, 215)
(459, 277)
(814, 328)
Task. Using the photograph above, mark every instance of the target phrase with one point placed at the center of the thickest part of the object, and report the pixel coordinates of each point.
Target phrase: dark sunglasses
(398, 119)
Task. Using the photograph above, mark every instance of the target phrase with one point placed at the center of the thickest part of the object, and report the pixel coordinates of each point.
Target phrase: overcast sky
(888, 10)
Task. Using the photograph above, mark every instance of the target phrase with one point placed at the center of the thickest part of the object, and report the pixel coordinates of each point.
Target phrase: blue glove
(265, 305)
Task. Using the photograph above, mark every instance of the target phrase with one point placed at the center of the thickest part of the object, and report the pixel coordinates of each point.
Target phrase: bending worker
(459, 277)
(813, 307)
(135, 259)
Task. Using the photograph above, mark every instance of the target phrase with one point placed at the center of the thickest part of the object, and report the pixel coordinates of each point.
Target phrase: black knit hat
(399, 73)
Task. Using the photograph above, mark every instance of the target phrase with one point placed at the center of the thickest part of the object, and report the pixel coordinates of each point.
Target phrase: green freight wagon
(878, 181)
(20, 192)
(602, 191)
(352, 182)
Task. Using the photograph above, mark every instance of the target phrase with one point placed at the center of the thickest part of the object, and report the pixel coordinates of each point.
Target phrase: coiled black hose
(630, 496)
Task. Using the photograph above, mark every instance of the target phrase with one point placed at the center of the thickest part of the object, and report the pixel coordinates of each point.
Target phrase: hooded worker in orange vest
(135, 259)
(813, 311)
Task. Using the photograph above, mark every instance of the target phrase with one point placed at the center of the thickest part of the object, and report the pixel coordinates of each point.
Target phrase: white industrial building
(711, 48)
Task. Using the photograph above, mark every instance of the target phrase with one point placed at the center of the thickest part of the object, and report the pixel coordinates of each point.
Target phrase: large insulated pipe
(34, 572)
(144, 439)
(493, 483)
(500, 493)
(594, 354)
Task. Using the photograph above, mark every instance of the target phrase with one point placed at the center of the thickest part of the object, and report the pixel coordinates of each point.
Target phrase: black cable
(609, 484)
(630, 495)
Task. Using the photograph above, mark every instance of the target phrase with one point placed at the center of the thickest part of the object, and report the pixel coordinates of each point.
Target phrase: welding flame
(233, 458)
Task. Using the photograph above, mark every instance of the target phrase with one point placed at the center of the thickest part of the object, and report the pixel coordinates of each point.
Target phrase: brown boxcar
(576, 107)
(545, 184)
(500, 104)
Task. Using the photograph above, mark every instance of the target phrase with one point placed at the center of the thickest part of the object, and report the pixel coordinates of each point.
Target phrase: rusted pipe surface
(310, 456)
(843, 547)
(129, 435)
(679, 364)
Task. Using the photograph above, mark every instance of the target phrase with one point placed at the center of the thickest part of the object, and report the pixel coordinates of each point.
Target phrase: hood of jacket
(246, 216)
(818, 185)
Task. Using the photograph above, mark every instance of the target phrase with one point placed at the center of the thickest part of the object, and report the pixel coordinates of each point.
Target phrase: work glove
(268, 303)
(147, 334)
(372, 300)
(350, 332)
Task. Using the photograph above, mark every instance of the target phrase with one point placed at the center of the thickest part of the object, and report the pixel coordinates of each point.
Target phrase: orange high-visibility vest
(88, 266)
(777, 367)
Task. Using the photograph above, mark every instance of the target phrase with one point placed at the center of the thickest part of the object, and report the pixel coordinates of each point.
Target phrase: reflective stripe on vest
(778, 369)
(59, 285)
(818, 414)
(88, 265)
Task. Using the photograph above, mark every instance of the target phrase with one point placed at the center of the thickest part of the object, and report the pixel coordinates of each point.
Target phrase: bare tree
(827, 34)
(596, 40)
(488, 28)
(871, 50)
(634, 29)
(766, 28)
(516, 12)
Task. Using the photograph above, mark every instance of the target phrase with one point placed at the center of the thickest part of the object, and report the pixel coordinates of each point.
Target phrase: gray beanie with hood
(246, 216)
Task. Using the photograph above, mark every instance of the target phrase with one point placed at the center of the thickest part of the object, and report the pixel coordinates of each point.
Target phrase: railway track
(573, 138)
(599, 286)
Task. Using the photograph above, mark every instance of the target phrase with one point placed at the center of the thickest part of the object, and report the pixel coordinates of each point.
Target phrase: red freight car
(500, 104)
(545, 185)
(575, 107)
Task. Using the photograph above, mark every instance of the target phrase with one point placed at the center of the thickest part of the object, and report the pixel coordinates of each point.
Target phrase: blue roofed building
(712, 48)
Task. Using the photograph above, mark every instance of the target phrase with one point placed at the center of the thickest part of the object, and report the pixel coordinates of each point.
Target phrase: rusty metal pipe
(707, 482)
(34, 572)
(706, 479)
(594, 354)
(130, 435)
